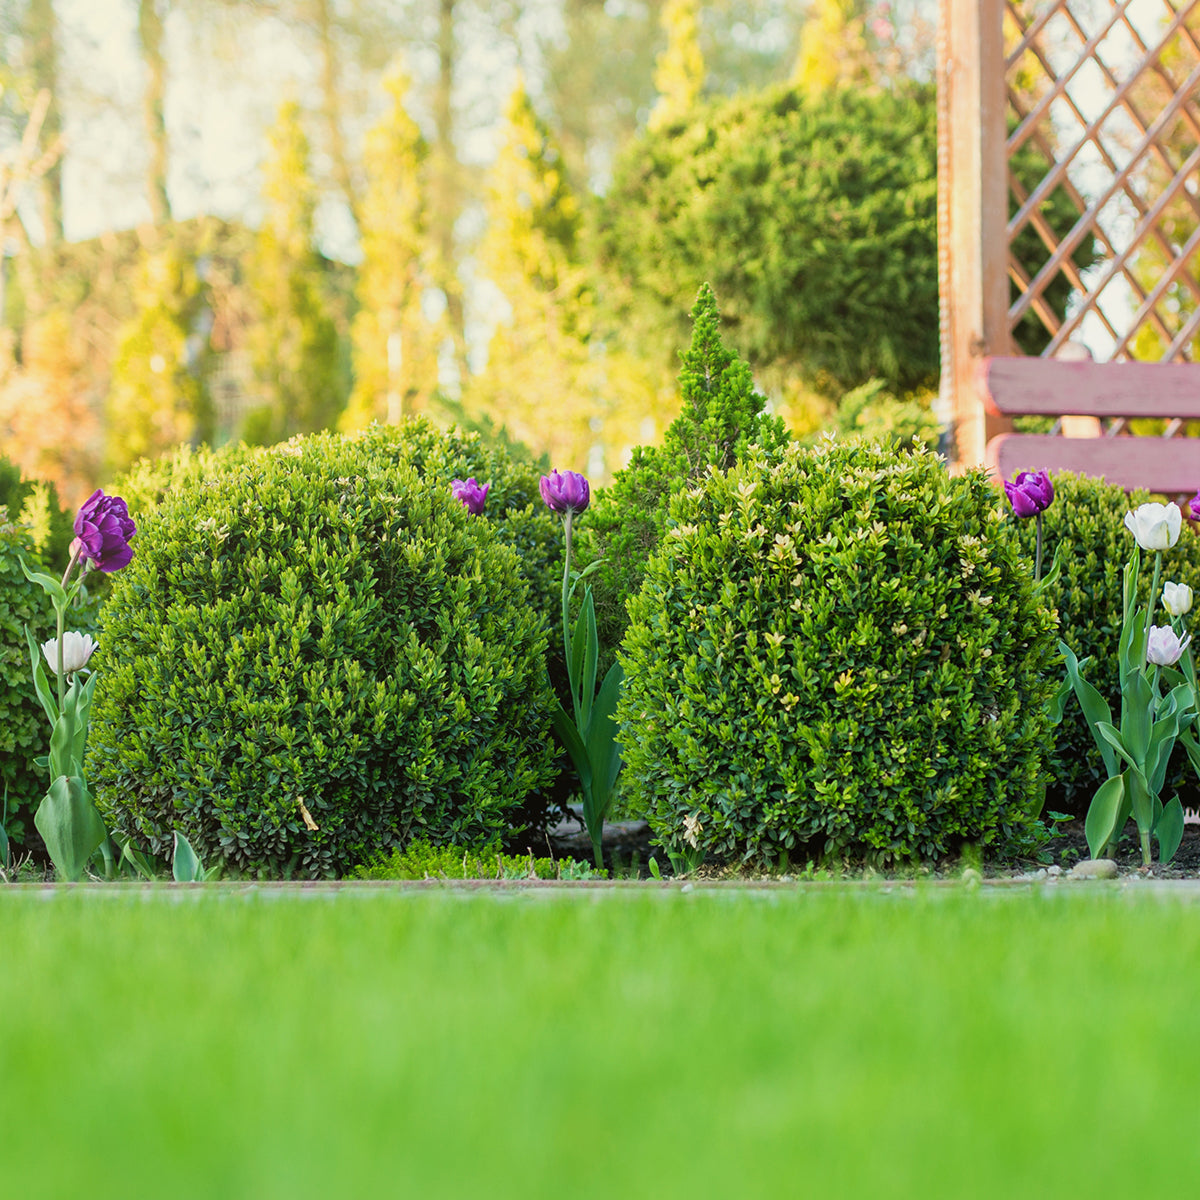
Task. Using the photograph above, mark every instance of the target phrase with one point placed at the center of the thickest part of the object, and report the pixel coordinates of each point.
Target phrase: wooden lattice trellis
(1069, 134)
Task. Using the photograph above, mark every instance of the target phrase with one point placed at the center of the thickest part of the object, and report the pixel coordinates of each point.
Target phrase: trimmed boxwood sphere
(1087, 519)
(837, 656)
(321, 630)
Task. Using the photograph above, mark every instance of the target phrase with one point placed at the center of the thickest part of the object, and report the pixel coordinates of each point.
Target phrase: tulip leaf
(591, 657)
(575, 666)
(48, 584)
(41, 686)
(1169, 830)
(185, 863)
(1095, 707)
(1100, 826)
(604, 755)
(573, 744)
(70, 826)
(1137, 709)
(1113, 738)
(1141, 801)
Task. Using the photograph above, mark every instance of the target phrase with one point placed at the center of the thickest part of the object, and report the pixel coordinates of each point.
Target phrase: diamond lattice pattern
(1104, 176)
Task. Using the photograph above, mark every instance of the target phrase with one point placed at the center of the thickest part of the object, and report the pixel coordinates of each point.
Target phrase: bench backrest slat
(1049, 387)
(1167, 465)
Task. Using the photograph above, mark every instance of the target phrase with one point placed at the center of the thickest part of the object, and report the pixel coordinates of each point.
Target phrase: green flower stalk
(590, 737)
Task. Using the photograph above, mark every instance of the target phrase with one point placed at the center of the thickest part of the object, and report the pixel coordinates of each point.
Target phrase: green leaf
(1095, 707)
(70, 826)
(1169, 830)
(575, 666)
(1141, 801)
(604, 754)
(1137, 714)
(48, 584)
(41, 686)
(591, 656)
(1100, 826)
(1113, 738)
(573, 744)
(1192, 747)
(185, 863)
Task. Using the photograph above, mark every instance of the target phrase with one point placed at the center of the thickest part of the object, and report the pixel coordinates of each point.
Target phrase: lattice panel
(1104, 176)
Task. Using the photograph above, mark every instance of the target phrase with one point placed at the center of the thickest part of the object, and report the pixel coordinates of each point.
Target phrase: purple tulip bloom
(1193, 508)
(103, 528)
(565, 491)
(473, 496)
(1030, 493)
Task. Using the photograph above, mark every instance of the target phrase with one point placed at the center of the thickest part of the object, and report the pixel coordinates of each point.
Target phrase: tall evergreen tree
(395, 348)
(537, 380)
(294, 343)
(679, 71)
(157, 399)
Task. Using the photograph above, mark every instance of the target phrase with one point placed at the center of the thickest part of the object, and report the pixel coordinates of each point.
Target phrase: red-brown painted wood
(1049, 387)
(1167, 465)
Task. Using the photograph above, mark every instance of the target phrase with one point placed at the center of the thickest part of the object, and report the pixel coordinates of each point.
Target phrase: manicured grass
(598, 1044)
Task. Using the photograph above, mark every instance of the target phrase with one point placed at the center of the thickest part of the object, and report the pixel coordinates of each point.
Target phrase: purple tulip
(103, 528)
(1030, 493)
(471, 494)
(565, 491)
(1192, 508)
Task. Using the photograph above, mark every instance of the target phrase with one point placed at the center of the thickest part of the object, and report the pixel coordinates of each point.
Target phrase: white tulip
(1177, 599)
(1164, 649)
(77, 649)
(1155, 526)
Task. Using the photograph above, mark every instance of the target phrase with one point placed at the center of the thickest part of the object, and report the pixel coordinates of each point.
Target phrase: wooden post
(972, 215)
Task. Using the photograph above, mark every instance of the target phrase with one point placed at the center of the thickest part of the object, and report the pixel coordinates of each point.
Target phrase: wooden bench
(1112, 393)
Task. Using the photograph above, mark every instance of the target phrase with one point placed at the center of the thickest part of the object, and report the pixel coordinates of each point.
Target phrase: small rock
(1094, 868)
(1054, 872)
(971, 877)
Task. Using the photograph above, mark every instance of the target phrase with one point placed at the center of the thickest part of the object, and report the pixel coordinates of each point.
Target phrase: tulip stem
(1150, 608)
(62, 687)
(1037, 561)
(566, 599)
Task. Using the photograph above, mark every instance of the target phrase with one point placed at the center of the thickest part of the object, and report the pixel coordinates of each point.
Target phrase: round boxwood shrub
(1087, 518)
(514, 505)
(839, 655)
(24, 730)
(314, 657)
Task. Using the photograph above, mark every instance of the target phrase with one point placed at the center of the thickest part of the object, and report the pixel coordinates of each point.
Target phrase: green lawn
(832, 1043)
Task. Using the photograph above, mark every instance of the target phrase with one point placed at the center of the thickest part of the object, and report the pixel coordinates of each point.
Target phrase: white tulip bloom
(1155, 526)
(77, 649)
(1164, 648)
(1177, 599)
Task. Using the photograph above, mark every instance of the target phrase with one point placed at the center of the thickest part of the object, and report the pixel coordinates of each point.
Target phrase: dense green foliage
(423, 860)
(321, 636)
(34, 503)
(24, 731)
(1087, 520)
(722, 416)
(839, 654)
(871, 411)
(830, 200)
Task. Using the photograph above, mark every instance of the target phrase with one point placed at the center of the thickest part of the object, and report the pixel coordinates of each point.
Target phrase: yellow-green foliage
(157, 399)
(320, 625)
(294, 340)
(422, 860)
(679, 71)
(395, 346)
(837, 654)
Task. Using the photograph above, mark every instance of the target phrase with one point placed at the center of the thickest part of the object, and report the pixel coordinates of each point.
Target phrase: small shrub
(315, 656)
(872, 412)
(836, 655)
(722, 417)
(423, 860)
(34, 503)
(24, 730)
(1087, 518)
